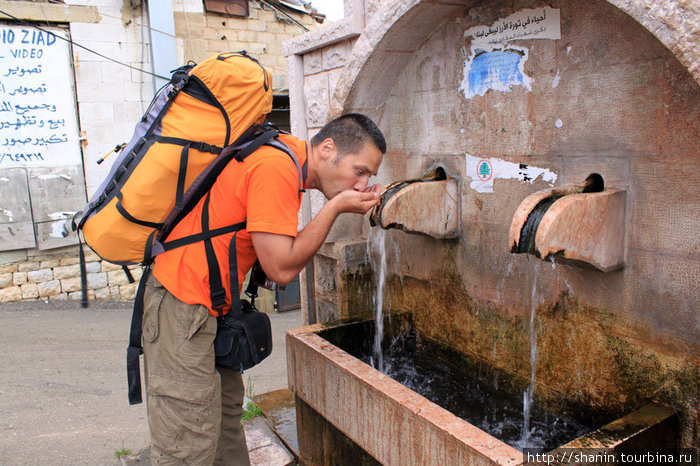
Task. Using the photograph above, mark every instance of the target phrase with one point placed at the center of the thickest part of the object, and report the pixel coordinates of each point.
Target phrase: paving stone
(264, 448)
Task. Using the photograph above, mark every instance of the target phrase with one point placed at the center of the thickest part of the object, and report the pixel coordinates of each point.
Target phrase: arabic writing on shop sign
(38, 126)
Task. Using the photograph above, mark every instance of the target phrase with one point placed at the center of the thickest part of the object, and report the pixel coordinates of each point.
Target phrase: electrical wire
(187, 26)
(70, 41)
(277, 9)
(137, 23)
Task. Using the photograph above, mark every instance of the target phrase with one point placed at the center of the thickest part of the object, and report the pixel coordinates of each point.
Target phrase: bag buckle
(218, 300)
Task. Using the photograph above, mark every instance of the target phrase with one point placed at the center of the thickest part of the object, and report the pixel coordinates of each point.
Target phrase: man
(194, 407)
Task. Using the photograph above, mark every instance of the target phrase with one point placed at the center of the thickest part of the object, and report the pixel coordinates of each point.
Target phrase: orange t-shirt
(263, 190)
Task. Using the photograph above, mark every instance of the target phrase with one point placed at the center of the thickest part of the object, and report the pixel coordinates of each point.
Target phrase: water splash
(471, 390)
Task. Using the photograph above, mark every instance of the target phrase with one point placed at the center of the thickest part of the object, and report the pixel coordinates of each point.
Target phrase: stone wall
(55, 276)
(201, 35)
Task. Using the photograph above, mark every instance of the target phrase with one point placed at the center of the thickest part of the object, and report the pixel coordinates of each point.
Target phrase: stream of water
(376, 245)
(533, 273)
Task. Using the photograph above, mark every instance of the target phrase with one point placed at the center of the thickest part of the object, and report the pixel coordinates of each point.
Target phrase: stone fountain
(516, 103)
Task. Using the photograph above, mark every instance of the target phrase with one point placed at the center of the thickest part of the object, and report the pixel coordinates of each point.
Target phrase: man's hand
(358, 202)
(282, 257)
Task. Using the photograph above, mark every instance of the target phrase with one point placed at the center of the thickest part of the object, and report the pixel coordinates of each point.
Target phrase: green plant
(250, 409)
(123, 452)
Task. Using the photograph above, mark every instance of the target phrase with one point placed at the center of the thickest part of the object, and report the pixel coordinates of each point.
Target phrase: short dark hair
(350, 132)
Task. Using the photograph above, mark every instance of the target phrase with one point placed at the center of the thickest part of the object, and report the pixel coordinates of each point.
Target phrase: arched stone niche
(607, 97)
(398, 27)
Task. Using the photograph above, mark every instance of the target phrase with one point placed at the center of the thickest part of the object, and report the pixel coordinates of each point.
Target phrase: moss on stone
(584, 363)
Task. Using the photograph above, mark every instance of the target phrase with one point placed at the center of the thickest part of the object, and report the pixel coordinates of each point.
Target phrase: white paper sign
(38, 122)
(484, 170)
(539, 23)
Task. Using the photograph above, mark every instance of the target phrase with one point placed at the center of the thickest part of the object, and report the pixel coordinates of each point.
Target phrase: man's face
(351, 171)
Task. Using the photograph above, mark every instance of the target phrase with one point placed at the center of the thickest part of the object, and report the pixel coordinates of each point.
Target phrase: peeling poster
(483, 171)
(494, 63)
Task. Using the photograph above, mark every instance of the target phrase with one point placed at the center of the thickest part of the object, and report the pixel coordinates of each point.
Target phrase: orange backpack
(207, 115)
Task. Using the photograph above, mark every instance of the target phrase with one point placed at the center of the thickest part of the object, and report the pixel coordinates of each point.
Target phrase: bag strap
(216, 288)
(197, 145)
(83, 274)
(205, 235)
(134, 350)
(236, 307)
(302, 170)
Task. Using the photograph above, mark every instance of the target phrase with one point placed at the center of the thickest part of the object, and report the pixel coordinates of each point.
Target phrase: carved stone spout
(572, 223)
(428, 205)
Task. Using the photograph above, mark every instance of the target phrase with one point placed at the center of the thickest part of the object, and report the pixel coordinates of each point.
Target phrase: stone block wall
(201, 34)
(55, 276)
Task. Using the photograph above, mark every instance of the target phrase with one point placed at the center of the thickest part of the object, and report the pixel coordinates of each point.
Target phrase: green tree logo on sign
(484, 170)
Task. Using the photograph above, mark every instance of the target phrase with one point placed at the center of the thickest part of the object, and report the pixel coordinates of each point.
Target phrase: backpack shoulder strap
(277, 144)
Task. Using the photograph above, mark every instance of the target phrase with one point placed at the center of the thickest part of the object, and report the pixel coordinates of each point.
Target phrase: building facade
(76, 78)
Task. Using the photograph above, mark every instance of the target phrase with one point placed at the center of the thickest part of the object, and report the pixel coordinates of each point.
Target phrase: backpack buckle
(218, 300)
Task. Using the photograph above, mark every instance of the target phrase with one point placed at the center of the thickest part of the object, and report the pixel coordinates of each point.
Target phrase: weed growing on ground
(123, 452)
(250, 409)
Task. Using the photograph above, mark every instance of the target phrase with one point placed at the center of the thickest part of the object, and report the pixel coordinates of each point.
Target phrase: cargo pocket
(155, 292)
(184, 417)
(196, 345)
(202, 323)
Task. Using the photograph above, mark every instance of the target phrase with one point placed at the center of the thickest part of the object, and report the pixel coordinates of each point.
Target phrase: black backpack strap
(252, 289)
(197, 145)
(216, 287)
(181, 176)
(127, 272)
(205, 235)
(233, 277)
(256, 144)
(83, 275)
(135, 350)
(124, 213)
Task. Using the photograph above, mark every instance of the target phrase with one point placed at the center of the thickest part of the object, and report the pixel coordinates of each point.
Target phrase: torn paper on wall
(483, 171)
(493, 62)
(498, 69)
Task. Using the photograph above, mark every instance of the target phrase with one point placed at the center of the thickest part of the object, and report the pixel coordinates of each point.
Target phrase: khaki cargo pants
(194, 407)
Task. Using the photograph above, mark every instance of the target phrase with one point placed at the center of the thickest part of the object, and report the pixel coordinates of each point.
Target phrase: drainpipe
(161, 29)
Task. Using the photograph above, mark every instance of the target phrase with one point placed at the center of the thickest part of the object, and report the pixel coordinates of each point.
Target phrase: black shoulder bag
(243, 338)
